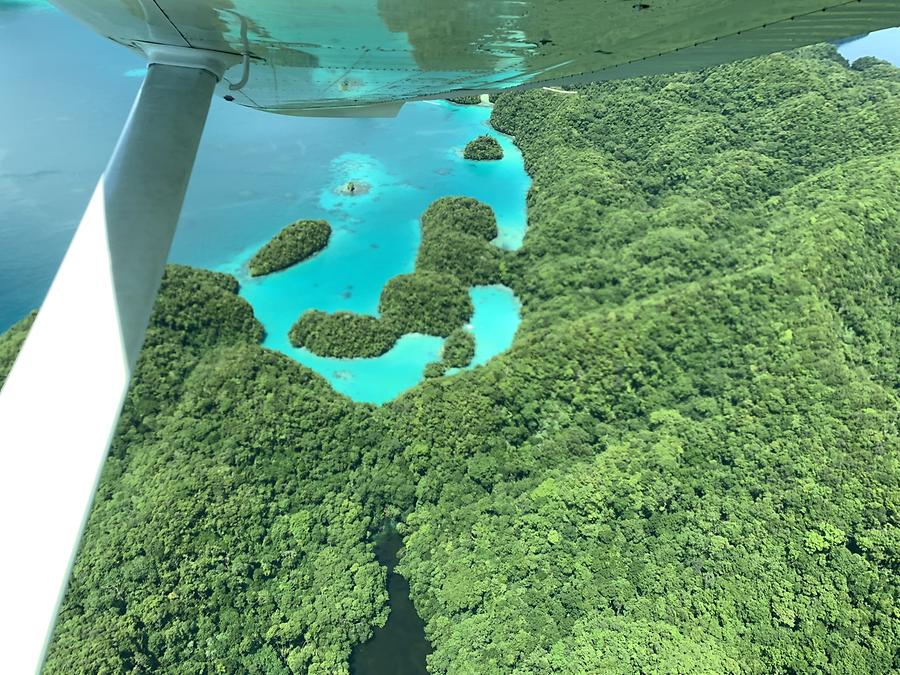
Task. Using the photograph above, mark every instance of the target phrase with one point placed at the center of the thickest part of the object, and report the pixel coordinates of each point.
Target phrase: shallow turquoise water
(494, 322)
(375, 236)
(382, 379)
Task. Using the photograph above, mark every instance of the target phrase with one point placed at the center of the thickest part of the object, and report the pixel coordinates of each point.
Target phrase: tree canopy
(295, 243)
(457, 352)
(343, 334)
(483, 148)
(465, 100)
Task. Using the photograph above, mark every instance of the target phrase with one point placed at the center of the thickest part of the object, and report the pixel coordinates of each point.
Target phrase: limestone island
(483, 148)
(455, 253)
(342, 335)
(354, 188)
(294, 244)
(465, 100)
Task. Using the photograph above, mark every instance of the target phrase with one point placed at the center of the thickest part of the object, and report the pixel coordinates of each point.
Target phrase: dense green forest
(459, 348)
(456, 235)
(686, 463)
(294, 244)
(483, 148)
(343, 335)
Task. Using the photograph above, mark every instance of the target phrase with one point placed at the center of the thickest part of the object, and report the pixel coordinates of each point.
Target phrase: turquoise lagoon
(375, 236)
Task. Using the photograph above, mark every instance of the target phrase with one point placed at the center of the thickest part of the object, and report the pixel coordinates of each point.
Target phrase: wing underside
(309, 54)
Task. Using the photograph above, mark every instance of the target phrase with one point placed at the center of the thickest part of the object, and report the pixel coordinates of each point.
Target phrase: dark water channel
(400, 647)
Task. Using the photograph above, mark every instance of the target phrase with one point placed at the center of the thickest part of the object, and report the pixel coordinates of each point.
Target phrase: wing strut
(62, 399)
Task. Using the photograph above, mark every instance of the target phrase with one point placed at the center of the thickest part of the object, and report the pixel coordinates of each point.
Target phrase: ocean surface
(255, 173)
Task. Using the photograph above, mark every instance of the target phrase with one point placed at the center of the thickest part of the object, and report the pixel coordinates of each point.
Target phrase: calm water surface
(400, 647)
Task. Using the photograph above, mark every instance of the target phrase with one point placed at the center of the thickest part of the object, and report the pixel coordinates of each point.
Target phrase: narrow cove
(400, 646)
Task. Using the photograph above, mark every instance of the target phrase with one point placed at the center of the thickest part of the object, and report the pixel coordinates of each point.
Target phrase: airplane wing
(305, 54)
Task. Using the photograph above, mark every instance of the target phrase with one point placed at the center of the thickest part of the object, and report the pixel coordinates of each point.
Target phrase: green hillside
(687, 462)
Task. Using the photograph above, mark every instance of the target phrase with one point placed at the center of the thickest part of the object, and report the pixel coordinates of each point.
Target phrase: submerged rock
(354, 188)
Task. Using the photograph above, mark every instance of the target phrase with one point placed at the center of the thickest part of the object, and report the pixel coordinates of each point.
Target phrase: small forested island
(456, 236)
(455, 253)
(483, 148)
(686, 463)
(342, 334)
(429, 302)
(459, 215)
(459, 349)
(294, 244)
(465, 100)
(434, 369)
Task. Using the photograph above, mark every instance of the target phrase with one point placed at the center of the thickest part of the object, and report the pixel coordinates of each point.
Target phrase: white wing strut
(61, 401)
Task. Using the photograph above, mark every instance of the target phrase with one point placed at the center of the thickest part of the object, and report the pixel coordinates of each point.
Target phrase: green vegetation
(471, 261)
(459, 215)
(456, 232)
(223, 534)
(343, 334)
(295, 243)
(10, 344)
(483, 148)
(425, 302)
(695, 460)
(434, 369)
(687, 462)
(465, 100)
(459, 349)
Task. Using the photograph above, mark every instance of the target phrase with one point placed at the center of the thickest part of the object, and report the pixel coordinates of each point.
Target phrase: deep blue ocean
(64, 106)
